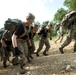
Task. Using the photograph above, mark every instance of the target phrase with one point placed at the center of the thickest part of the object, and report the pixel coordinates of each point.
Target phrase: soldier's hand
(7, 48)
(17, 51)
(50, 38)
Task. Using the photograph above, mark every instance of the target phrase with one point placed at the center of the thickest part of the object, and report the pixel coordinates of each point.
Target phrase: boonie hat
(31, 17)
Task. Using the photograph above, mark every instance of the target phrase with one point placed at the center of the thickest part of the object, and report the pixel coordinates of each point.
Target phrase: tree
(59, 15)
(71, 4)
(37, 22)
(45, 23)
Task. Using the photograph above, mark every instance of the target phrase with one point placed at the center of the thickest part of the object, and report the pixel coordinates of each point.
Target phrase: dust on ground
(53, 64)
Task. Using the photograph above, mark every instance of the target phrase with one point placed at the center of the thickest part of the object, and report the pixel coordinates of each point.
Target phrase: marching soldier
(1, 33)
(34, 29)
(69, 22)
(71, 35)
(43, 33)
(59, 31)
(19, 40)
(6, 46)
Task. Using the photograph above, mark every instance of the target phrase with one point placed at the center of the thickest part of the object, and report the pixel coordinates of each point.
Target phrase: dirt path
(54, 64)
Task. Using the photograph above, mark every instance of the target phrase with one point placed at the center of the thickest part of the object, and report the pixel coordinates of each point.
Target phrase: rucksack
(11, 24)
(69, 19)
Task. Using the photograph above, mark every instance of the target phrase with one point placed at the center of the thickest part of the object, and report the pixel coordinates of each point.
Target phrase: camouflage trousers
(60, 36)
(43, 42)
(71, 35)
(33, 45)
(30, 50)
(23, 47)
(5, 54)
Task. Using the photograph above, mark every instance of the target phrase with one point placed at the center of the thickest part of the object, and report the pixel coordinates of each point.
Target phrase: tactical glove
(8, 48)
(50, 38)
(17, 51)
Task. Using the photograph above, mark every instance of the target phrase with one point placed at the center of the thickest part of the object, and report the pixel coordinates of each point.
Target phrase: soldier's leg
(23, 57)
(32, 50)
(29, 53)
(47, 44)
(41, 43)
(5, 58)
(69, 38)
(1, 52)
(33, 46)
(58, 33)
(61, 38)
(66, 42)
(12, 51)
(57, 39)
(75, 46)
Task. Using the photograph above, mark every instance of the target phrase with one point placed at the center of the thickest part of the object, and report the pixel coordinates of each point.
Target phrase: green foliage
(37, 22)
(45, 23)
(36, 38)
(59, 15)
(53, 32)
(71, 4)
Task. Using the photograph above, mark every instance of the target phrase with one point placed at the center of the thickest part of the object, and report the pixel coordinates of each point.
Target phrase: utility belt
(21, 40)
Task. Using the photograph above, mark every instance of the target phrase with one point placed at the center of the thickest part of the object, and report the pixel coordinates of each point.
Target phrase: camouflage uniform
(31, 36)
(71, 35)
(19, 40)
(23, 47)
(1, 33)
(44, 40)
(69, 22)
(30, 50)
(41, 44)
(60, 34)
(6, 37)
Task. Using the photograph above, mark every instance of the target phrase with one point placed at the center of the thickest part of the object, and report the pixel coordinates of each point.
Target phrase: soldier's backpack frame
(69, 19)
(11, 24)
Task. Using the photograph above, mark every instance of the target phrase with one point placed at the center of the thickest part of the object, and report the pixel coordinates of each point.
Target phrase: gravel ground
(54, 64)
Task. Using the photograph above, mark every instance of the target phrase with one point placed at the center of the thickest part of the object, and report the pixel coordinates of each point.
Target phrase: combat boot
(61, 50)
(28, 59)
(22, 71)
(45, 54)
(4, 65)
(37, 54)
(74, 50)
(15, 60)
(31, 56)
